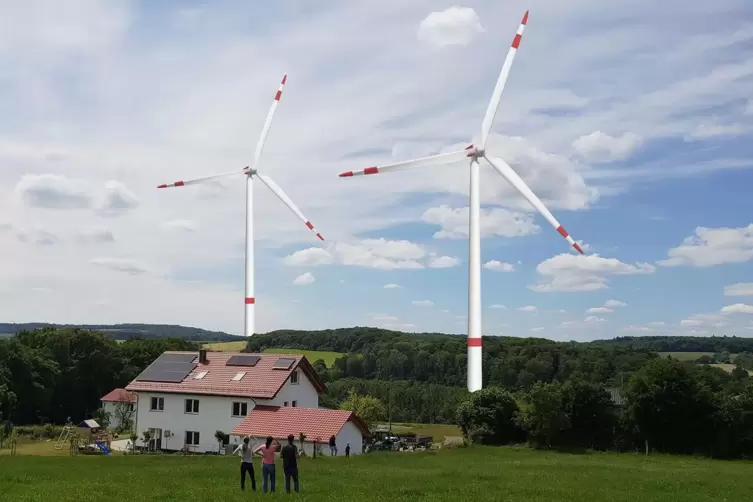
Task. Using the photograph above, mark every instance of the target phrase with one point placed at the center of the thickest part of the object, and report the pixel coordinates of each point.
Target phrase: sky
(631, 120)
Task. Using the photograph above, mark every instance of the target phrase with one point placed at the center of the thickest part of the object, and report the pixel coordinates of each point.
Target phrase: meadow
(311, 355)
(477, 473)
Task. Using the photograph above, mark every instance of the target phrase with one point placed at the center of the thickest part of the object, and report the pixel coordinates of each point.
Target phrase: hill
(126, 331)
(731, 344)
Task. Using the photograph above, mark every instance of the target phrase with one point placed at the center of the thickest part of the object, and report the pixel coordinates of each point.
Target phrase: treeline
(669, 406)
(716, 344)
(50, 374)
(126, 331)
(515, 363)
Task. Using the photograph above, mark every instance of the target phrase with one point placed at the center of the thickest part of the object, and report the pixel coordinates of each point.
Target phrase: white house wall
(304, 393)
(111, 408)
(215, 413)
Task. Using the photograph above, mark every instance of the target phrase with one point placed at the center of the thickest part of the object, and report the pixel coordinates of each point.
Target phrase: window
(192, 405)
(130, 407)
(285, 403)
(294, 377)
(192, 438)
(240, 409)
(238, 376)
(295, 403)
(157, 404)
(200, 375)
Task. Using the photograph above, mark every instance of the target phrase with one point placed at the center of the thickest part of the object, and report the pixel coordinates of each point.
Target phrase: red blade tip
(284, 79)
(320, 236)
(346, 174)
(525, 18)
(162, 186)
(577, 247)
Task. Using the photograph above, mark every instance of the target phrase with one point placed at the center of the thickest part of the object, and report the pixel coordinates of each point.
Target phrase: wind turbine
(475, 152)
(251, 172)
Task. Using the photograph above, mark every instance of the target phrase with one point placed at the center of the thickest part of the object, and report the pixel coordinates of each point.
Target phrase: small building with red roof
(183, 398)
(120, 404)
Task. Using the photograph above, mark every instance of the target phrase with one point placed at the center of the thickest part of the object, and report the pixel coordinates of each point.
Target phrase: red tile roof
(119, 396)
(280, 421)
(260, 381)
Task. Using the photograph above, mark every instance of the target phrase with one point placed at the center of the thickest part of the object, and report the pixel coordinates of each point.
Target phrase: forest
(49, 374)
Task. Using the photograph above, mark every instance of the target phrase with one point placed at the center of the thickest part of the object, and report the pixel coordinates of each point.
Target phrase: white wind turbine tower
(251, 172)
(476, 152)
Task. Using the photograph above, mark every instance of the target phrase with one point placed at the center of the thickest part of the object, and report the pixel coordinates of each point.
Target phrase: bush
(488, 417)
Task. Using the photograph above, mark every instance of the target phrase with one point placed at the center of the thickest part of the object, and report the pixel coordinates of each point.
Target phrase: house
(183, 398)
(120, 405)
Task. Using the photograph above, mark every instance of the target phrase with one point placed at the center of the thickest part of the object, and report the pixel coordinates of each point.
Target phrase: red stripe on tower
(474, 342)
(371, 170)
(525, 19)
(250, 301)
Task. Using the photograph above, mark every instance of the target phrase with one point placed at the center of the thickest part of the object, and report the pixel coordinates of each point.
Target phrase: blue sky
(632, 122)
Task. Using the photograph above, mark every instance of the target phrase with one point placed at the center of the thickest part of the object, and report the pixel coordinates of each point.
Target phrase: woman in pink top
(267, 452)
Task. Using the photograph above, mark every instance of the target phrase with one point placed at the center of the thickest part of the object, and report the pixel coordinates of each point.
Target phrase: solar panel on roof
(283, 363)
(177, 358)
(242, 360)
(169, 368)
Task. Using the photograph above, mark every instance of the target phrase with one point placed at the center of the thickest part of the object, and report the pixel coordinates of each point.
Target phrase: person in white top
(247, 465)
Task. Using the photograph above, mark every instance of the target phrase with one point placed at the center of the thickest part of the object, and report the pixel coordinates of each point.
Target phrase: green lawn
(311, 355)
(476, 474)
(437, 431)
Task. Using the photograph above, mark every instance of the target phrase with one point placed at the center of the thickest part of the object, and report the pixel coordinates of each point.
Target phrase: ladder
(64, 435)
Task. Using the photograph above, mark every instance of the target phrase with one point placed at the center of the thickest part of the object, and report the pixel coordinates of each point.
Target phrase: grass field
(478, 474)
(437, 431)
(311, 355)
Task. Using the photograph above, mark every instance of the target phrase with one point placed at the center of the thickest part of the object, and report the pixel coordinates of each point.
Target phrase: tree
(704, 359)
(102, 417)
(124, 414)
(368, 408)
(738, 373)
(220, 436)
(544, 417)
(591, 413)
(488, 416)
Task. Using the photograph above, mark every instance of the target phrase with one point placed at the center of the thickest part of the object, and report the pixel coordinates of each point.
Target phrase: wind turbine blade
(432, 160)
(491, 111)
(268, 122)
(197, 181)
(512, 177)
(286, 200)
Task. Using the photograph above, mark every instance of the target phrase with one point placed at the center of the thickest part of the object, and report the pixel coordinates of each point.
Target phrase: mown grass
(311, 355)
(437, 431)
(478, 474)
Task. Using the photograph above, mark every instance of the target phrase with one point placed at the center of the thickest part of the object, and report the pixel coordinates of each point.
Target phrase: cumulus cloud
(423, 303)
(304, 279)
(713, 246)
(97, 236)
(183, 225)
(637, 328)
(37, 237)
(568, 272)
(499, 266)
(442, 262)
(496, 222)
(599, 310)
(51, 191)
(614, 304)
(737, 308)
(125, 265)
(452, 26)
(382, 318)
(536, 330)
(528, 308)
(707, 320)
(601, 147)
(372, 253)
(739, 289)
(593, 319)
(116, 199)
(392, 286)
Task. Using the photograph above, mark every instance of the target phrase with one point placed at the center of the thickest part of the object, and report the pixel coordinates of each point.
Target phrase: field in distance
(478, 474)
(311, 355)
(692, 356)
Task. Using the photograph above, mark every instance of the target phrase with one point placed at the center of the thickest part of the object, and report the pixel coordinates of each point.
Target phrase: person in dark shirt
(347, 450)
(289, 456)
(332, 446)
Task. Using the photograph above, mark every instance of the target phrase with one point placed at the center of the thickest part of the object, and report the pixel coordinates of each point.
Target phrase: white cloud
(656, 323)
(713, 246)
(599, 310)
(737, 308)
(536, 330)
(601, 147)
(499, 266)
(184, 225)
(497, 306)
(739, 289)
(708, 320)
(126, 265)
(452, 26)
(443, 262)
(392, 286)
(568, 272)
(528, 308)
(116, 199)
(51, 191)
(97, 236)
(423, 303)
(38, 237)
(304, 279)
(593, 318)
(496, 222)
(614, 304)
(637, 328)
(706, 131)
(372, 253)
(384, 318)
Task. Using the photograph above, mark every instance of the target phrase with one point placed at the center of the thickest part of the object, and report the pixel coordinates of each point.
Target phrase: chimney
(203, 356)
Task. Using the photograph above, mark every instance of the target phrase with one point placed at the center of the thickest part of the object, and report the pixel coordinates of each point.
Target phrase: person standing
(332, 446)
(247, 463)
(267, 452)
(289, 456)
(347, 450)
